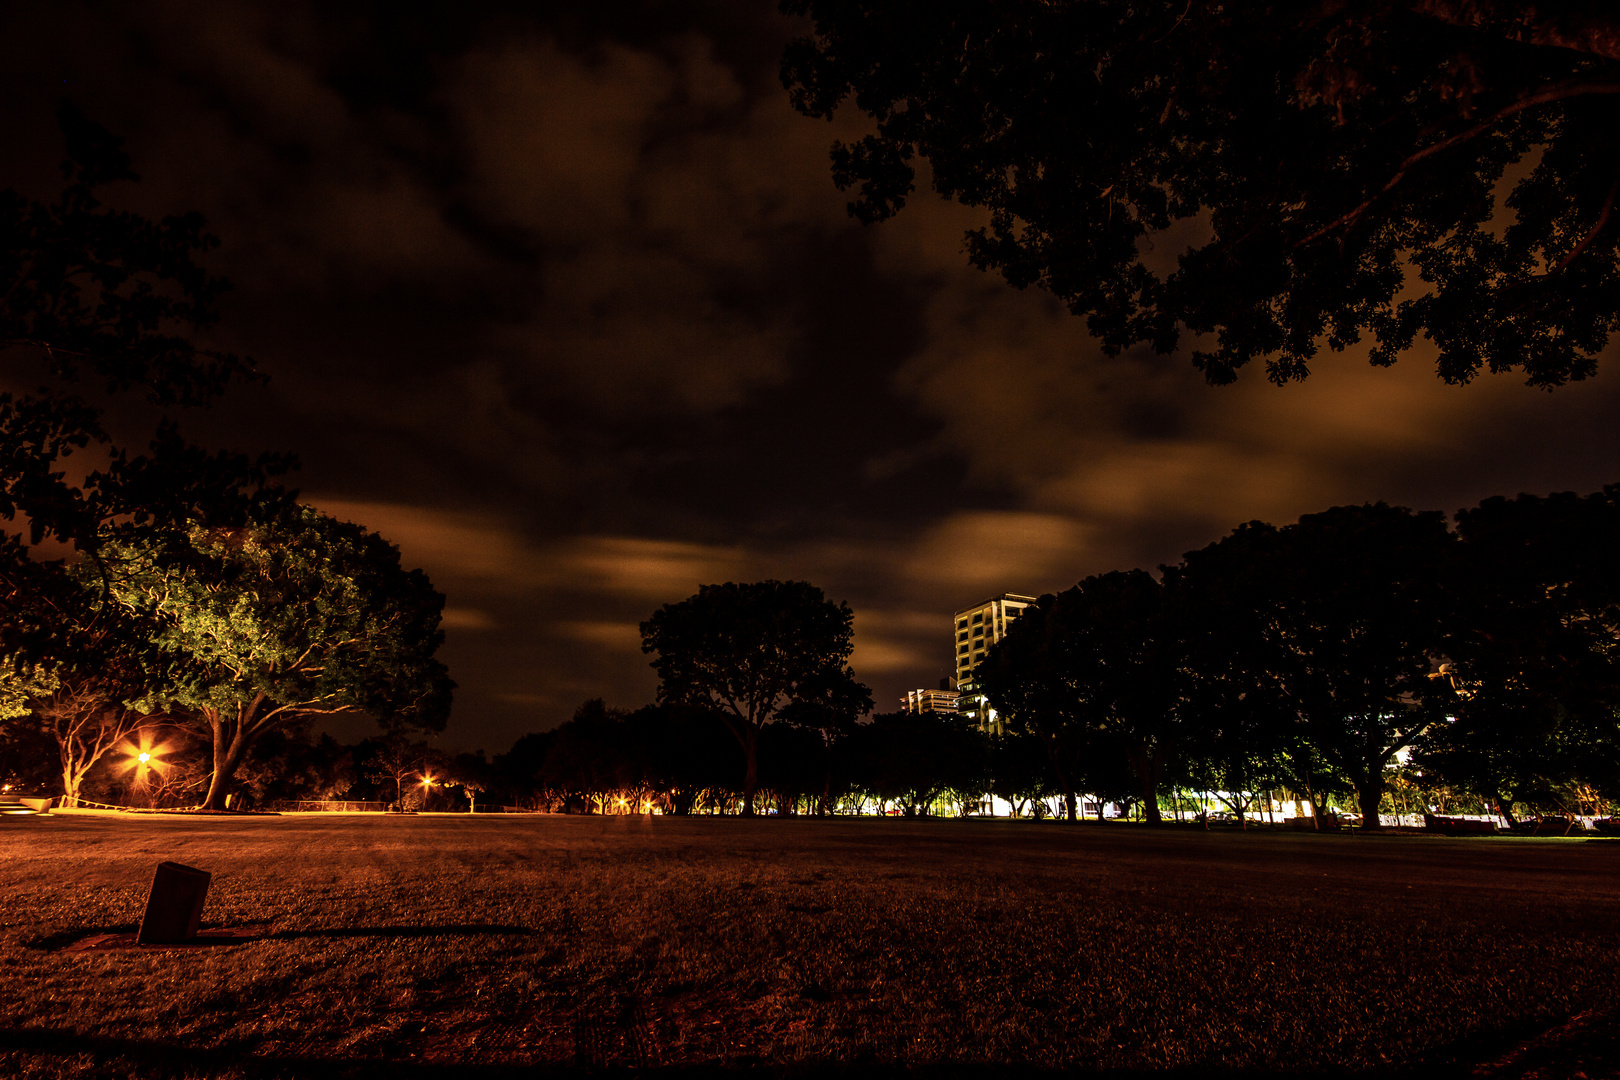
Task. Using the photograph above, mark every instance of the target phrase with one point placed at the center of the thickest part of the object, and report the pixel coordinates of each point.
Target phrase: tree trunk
(1505, 808)
(1149, 763)
(1369, 793)
(751, 771)
(1063, 779)
(1316, 807)
(230, 747)
(71, 779)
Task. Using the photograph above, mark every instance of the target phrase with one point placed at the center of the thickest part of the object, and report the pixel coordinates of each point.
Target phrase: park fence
(91, 804)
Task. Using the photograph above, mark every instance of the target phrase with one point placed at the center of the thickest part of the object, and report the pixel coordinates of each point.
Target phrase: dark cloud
(561, 299)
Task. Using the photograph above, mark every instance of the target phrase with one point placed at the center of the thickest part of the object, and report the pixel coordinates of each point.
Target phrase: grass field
(448, 946)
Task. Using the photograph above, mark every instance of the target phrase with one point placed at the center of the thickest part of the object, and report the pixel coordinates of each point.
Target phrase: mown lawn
(449, 946)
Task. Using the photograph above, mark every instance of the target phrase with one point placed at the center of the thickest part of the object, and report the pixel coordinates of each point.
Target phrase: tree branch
(1590, 35)
(1547, 96)
(1591, 234)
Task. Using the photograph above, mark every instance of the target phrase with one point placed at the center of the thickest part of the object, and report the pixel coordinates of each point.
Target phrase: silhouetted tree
(828, 720)
(520, 769)
(1033, 704)
(916, 759)
(27, 756)
(1344, 616)
(794, 765)
(473, 775)
(749, 651)
(1020, 771)
(1270, 177)
(289, 763)
(1242, 734)
(1535, 659)
(594, 758)
(690, 754)
(1100, 665)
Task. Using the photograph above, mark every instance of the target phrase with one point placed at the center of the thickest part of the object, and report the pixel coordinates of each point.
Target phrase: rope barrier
(92, 804)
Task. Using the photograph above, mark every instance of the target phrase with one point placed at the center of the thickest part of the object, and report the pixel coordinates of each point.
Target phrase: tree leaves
(1349, 161)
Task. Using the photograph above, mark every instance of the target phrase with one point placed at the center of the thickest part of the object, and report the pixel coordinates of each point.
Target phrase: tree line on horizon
(1363, 657)
(1358, 647)
(1370, 657)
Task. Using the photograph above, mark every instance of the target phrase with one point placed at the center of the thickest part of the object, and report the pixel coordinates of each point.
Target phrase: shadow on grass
(452, 930)
(61, 940)
(158, 1060)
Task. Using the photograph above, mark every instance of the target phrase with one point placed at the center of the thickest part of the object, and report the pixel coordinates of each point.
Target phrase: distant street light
(144, 758)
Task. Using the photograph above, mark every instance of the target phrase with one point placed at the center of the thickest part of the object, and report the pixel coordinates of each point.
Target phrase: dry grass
(448, 946)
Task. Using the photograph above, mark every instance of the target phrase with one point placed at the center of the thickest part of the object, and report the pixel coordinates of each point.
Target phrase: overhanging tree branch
(1552, 94)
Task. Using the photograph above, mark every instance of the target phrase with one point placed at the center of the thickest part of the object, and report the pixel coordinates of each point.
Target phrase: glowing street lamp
(143, 758)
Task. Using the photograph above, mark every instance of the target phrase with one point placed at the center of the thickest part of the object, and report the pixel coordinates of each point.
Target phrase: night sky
(567, 306)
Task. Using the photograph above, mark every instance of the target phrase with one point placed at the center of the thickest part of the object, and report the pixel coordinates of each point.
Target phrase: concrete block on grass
(174, 908)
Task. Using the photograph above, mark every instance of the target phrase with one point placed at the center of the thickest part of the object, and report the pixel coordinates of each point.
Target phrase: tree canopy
(1095, 671)
(297, 616)
(1343, 617)
(98, 305)
(1266, 177)
(750, 651)
(1534, 663)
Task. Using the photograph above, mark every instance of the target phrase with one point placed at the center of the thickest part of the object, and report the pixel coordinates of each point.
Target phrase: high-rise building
(978, 628)
(942, 700)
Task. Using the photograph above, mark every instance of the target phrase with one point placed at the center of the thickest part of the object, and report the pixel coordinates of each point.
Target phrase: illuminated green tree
(298, 616)
(79, 696)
